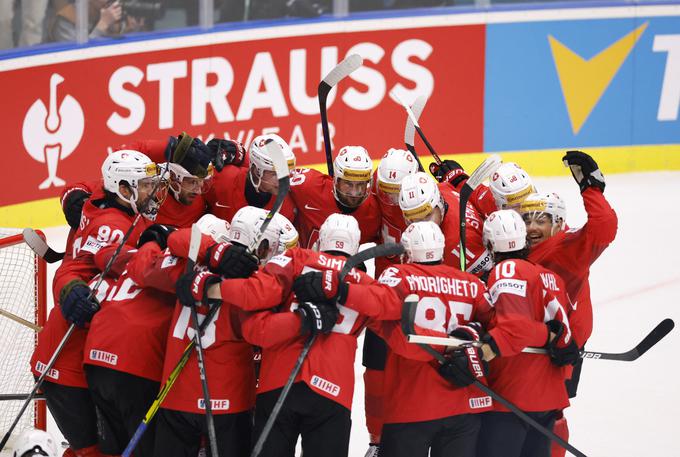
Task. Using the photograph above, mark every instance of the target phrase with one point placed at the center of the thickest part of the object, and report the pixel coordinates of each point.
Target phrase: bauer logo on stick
(52, 131)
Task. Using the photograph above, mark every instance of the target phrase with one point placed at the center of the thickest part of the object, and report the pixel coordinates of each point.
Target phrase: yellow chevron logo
(585, 81)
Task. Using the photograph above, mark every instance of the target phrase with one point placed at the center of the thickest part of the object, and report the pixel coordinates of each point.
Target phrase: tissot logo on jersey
(326, 386)
(508, 286)
(103, 356)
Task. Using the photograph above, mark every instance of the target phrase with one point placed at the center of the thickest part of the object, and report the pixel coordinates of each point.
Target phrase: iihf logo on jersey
(52, 132)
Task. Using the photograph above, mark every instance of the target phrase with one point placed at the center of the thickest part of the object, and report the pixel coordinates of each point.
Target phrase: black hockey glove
(192, 287)
(231, 260)
(226, 152)
(464, 366)
(76, 307)
(584, 170)
(472, 331)
(72, 206)
(449, 171)
(158, 233)
(319, 287)
(317, 317)
(192, 154)
(561, 353)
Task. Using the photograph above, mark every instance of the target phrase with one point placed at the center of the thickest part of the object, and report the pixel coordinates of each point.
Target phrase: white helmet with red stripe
(419, 197)
(245, 226)
(341, 233)
(423, 242)
(353, 170)
(394, 166)
(260, 160)
(504, 231)
(510, 185)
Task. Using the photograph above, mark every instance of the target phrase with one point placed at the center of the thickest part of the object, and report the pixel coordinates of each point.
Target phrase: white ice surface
(622, 409)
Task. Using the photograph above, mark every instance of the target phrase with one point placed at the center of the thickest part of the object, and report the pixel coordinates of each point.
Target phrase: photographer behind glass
(106, 18)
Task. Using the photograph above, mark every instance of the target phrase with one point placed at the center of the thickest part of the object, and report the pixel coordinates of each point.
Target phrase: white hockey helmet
(34, 443)
(353, 165)
(419, 196)
(549, 203)
(217, 228)
(341, 233)
(181, 178)
(510, 184)
(260, 160)
(393, 167)
(423, 242)
(245, 226)
(135, 169)
(504, 231)
(288, 234)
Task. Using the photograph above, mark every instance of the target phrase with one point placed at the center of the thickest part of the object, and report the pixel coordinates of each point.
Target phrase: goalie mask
(510, 185)
(136, 172)
(339, 233)
(262, 172)
(504, 231)
(352, 181)
(245, 227)
(423, 242)
(35, 443)
(393, 167)
(420, 200)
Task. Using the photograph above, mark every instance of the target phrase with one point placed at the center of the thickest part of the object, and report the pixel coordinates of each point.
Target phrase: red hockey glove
(226, 152)
(192, 287)
(584, 170)
(231, 260)
(318, 287)
(317, 318)
(561, 353)
(449, 171)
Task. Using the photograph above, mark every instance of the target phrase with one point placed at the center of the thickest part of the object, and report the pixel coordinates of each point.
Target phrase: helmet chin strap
(255, 171)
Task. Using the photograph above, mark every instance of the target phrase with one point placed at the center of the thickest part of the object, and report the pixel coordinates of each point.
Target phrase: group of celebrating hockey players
(526, 285)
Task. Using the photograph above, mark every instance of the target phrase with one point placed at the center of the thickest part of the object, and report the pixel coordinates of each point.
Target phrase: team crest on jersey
(325, 386)
(508, 286)
(389, 278)
(280, 260)
(169, 261)
(480, 402)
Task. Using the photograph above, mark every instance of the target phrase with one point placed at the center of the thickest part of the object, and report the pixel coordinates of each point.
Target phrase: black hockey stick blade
(408, 313)
(275, 153)
(40, 247)
(410, 130)
(381, 250)
(656, 335)
(341, 71)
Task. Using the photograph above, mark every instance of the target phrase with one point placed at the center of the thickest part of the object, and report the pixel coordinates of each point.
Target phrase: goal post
(23, 311)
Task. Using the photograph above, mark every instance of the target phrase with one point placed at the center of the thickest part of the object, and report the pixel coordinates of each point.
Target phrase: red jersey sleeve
(380, 300)
(102, 257)
(179, 241)
(267, 328)
(602, 222)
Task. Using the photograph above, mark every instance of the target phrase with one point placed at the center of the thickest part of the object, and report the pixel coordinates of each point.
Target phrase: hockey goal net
(23, 297)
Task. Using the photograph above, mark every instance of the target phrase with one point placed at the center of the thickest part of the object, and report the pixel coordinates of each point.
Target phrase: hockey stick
(16, 397)
(337, 74)
(40, 247)
(653, 337)
(275, 153)
(382, 250)
(194, 246)
(165, 389)
(20, 320)
(483, 171)
(407, 324)
(72, 327)
(410, 131)
(414, 119)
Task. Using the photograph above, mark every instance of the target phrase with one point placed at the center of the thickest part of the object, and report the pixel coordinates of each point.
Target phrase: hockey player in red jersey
(507, 187)
(522, 305)
(393, 167)
(571, 252)
(420, 199)
(254, 185)
(318, 405)
(427, 410)
(131, 188)
(317, 196)
(228, 358)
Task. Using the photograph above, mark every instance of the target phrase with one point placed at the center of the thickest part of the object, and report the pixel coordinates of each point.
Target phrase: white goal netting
(22, 292)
